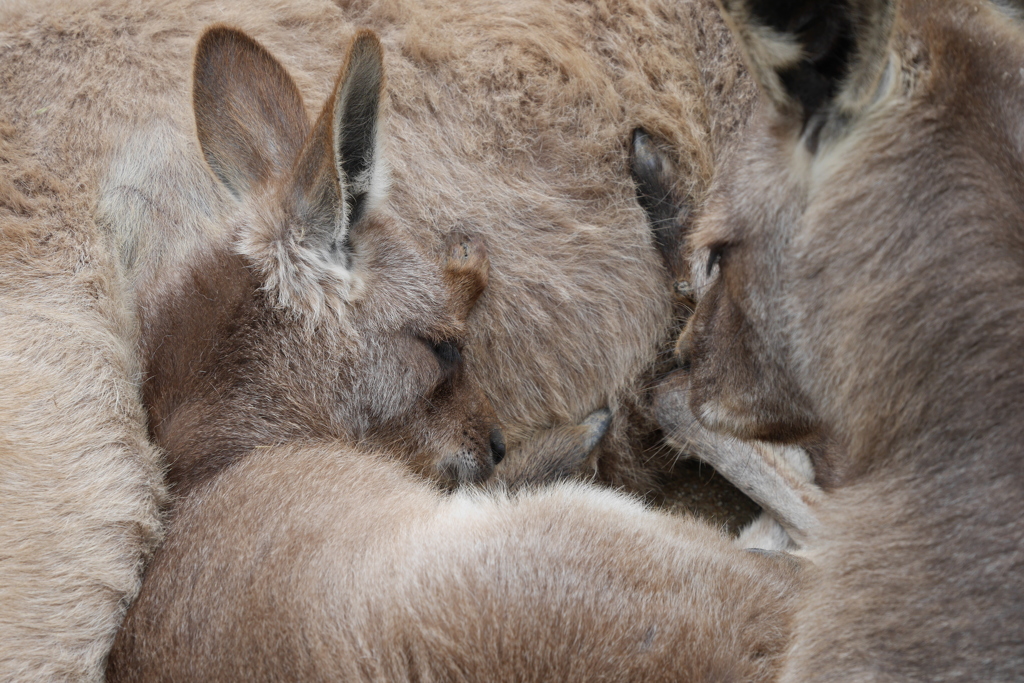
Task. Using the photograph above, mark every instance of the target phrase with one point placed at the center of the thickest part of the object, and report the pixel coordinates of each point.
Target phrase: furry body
(80, 484)
(318, 562)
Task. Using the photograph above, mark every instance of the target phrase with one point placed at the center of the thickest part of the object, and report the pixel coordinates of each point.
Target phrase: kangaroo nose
(497, 445)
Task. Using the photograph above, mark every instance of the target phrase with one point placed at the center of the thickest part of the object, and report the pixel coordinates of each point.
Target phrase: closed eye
(447, 353)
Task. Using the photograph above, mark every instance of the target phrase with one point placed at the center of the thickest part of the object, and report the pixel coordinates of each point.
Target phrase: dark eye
(447, 354)
(715, 257)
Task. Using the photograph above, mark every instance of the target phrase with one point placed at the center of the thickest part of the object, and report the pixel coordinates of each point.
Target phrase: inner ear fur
(250, 120)
(340, 174)
(814, 56)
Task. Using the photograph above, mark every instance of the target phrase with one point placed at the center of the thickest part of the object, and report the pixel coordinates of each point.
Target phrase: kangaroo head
(319, 318)
(860, 252)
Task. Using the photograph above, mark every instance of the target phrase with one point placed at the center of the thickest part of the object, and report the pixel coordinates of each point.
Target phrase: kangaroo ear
(249, 115)
(810, 56)
(553, 455)
(339, 174)
(669, 217)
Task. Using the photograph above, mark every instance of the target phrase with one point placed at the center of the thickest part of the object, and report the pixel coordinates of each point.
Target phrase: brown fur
(320, 560)
(865, 289)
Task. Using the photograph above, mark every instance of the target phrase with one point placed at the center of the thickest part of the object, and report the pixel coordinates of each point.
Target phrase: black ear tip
(645, 159)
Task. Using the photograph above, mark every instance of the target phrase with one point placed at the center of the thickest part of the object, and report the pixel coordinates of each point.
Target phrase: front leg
(778, 478)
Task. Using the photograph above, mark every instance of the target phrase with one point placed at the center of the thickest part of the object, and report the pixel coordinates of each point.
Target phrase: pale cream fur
(320, 562)
(80, 485)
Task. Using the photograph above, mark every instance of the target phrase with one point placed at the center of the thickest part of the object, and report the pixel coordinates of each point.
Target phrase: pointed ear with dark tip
(340, 174)
(668, 216)
(809, 56)
(249, 115)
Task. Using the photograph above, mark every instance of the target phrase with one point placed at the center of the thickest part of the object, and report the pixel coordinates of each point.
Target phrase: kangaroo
(779, 479)
(101, 175)
(862, 263)
(511, 129)
(106, 208)
(320, 319)
(514, 128)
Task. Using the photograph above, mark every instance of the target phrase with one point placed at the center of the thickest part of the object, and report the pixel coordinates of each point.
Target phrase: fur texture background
(80, 485)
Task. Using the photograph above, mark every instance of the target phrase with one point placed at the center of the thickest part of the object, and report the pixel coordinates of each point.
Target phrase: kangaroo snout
(472, 463)
(479, 445)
